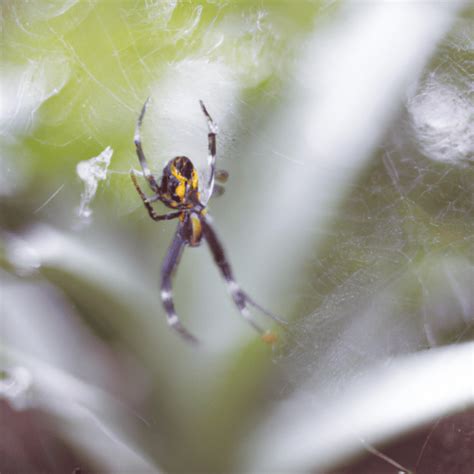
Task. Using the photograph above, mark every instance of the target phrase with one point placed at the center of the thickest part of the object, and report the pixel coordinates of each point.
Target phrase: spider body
(179, 189)
(191, 225)
(180, 183)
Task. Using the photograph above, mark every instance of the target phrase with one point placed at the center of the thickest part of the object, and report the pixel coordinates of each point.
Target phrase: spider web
(390, 272)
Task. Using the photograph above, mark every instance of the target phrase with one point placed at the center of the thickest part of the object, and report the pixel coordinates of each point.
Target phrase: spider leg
(169, 265)
(241, 299)
(148, 200)
(211, 137)
(141, 155)
(264, 311)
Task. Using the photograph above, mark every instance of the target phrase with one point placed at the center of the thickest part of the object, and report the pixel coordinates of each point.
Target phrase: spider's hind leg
(241, 299)
(275, 318)
(169, 265)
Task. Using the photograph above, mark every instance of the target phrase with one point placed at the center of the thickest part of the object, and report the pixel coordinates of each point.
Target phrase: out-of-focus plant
(347, 129)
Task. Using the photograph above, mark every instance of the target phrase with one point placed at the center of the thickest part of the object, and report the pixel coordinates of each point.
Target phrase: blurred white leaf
(301, 436)
(90, 419)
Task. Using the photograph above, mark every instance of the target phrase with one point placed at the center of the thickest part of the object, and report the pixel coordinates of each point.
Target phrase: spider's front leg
(169, 265)
(212, 153)
(141, 155)
(148, 200)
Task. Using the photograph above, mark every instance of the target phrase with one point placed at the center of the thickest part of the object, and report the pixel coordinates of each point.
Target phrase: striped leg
(141, 155)
(148, 200)
(241, 299)
(211, 136)
(169, 265)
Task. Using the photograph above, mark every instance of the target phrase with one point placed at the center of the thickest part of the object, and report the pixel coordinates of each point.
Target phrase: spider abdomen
(192, 228)
(180, 182)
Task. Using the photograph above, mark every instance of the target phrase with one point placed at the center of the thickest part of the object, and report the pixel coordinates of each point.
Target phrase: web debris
(442, 121)
(91, 172)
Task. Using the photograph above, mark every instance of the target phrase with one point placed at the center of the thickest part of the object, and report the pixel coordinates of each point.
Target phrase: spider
(179, 189)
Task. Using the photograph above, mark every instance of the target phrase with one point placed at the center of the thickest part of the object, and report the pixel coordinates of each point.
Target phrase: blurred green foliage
(388, 275)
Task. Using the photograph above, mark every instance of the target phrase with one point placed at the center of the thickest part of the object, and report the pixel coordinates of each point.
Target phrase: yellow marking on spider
(174, 171)
(197, 228)
(177, 174)
(194, 179)
(180, 190)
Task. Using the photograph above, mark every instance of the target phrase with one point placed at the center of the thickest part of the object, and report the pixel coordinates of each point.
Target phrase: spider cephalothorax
(179, 189)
